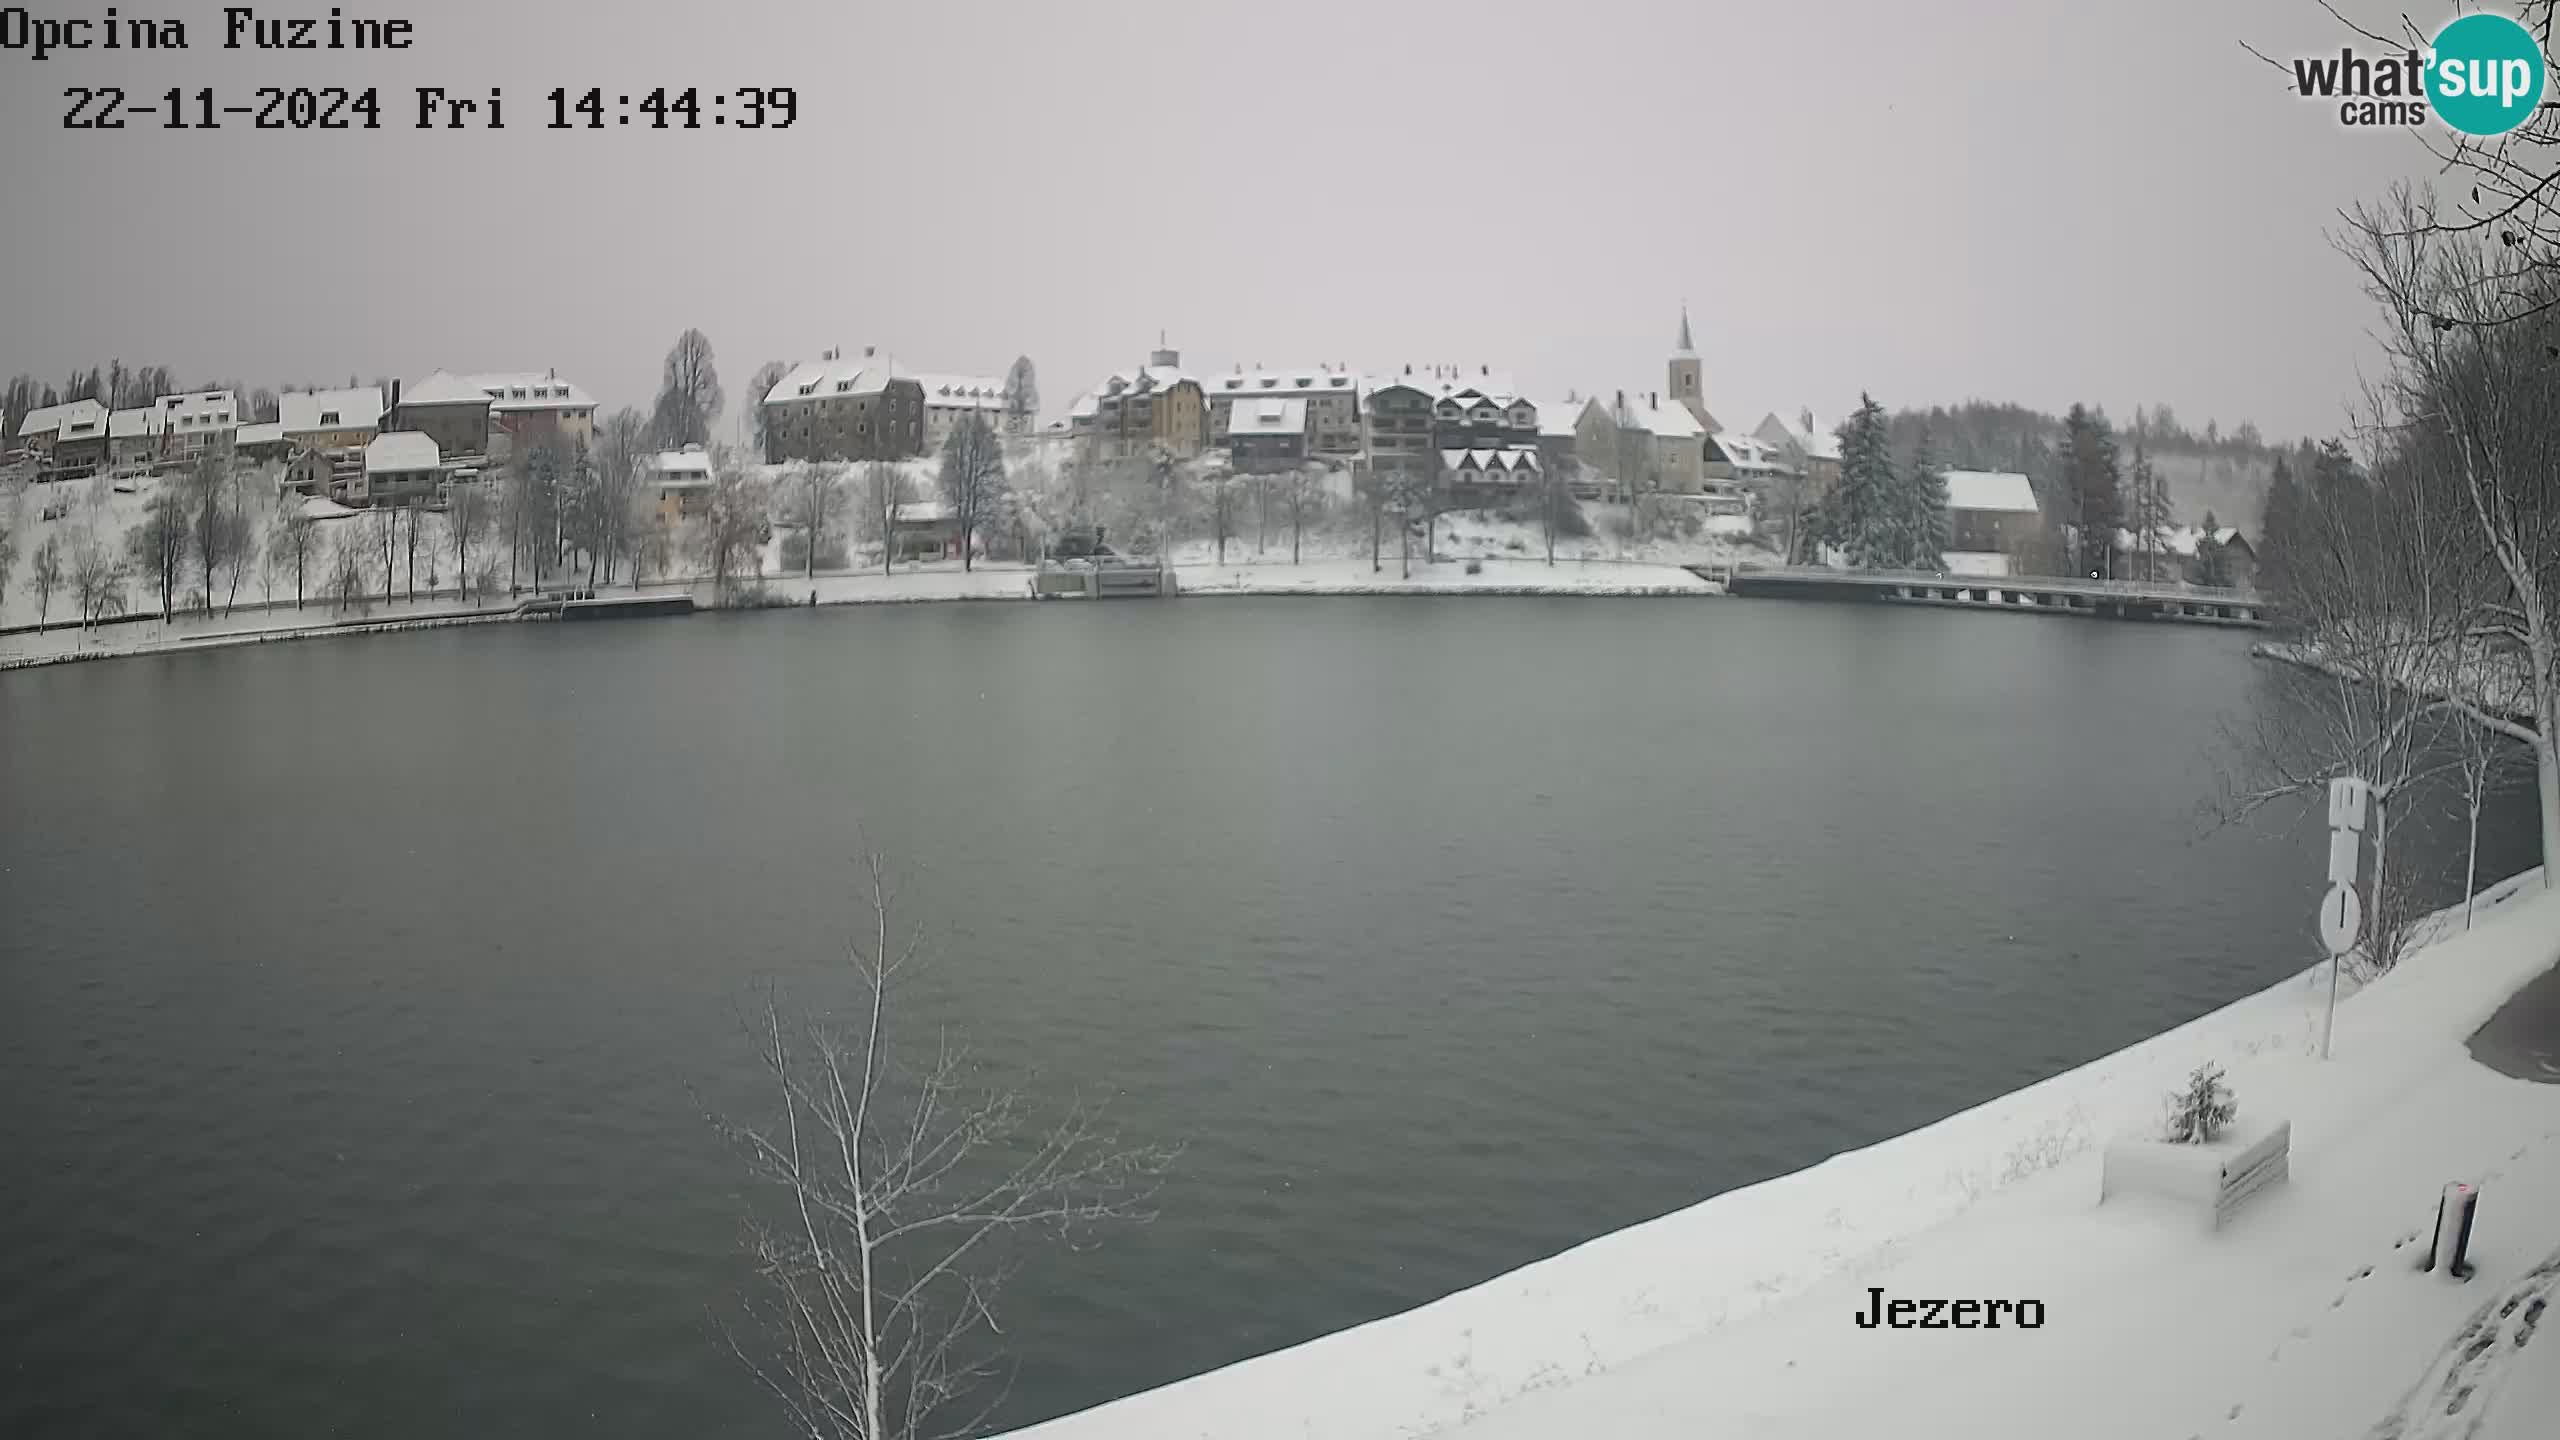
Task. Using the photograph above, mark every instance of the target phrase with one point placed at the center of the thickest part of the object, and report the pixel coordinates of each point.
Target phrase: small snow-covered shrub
(2200, 1113)
(1475, 567)
(1516, 546)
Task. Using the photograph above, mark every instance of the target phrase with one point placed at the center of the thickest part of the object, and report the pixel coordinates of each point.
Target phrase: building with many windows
(839, 409)
(1332, 408)
(192, 424)
(1154, 408)
(527, 409)
(950, 399)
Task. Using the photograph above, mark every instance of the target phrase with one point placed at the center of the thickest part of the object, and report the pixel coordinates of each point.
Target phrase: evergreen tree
(2200, 1113)
(1863, 514)
(2089, 487)
(2213, 567)
(2278, 524)
(2147, 512)
(1924, 504)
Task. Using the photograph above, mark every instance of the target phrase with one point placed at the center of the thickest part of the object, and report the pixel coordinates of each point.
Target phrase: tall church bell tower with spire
(1687, 378)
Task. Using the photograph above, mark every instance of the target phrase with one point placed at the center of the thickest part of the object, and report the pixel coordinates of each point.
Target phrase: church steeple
(1688, 376)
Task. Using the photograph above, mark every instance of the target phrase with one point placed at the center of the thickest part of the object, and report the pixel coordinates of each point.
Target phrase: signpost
(2341, 912)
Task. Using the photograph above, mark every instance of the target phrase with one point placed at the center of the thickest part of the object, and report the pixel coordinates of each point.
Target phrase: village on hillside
(124, 503)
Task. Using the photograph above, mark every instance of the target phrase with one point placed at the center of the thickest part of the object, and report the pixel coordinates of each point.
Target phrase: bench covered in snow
(2216, 1177)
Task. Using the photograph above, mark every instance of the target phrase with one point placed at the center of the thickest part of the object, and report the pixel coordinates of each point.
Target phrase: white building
(950, 399)
(1331, 393)
(330, 419)
(134, 438)
(403, 467)
(197, 422)
(528, 409)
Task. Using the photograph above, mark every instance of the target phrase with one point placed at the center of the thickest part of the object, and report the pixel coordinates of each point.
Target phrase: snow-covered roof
(443, 387)
(141, 422)
(401, 450)
(83, 420)
(1747, 455)
(527, 391)
(922, 512)
(200, 411)
(1268, 415)
(961, 392)
(1663, 419)
(321, 507)
(301, 411)
(819, 379)
(1146, 380)
(1455, 382)
(1806, 435)
(2004, 491)
(44, 421)
(264, 433)
(1083, 406)
(1320, 380)
(1559, 419)
(1509, 458)
(689, 463)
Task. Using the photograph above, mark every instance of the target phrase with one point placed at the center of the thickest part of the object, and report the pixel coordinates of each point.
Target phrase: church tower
(1688, 382)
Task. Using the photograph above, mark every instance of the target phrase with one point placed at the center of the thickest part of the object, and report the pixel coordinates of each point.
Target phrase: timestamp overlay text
(27, 36)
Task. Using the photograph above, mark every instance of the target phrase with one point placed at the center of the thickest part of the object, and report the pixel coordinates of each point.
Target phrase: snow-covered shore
(909, 584)
(2303, 1316)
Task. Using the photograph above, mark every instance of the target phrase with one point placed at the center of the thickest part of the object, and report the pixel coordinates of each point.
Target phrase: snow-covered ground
(2305, 1315)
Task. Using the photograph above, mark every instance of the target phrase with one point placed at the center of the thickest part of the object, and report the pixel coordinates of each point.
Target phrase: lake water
(360, 1000)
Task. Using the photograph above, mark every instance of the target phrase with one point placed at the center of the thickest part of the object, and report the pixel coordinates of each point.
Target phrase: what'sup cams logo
(2483, 76)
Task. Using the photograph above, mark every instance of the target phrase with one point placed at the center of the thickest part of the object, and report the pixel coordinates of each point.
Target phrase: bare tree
(158, 545)
(623, 458)
(2475, 395)
(883, 491)
(1302, 496)
(1221, 482)
(9, 503)
(44, 575)
(898, 1187)
(466, 519)
(97, 579)
(2486, 762)
(292, 542)
(347, 586)
(759, 385)
(2379, 586)
(973, 482)
(734, 528)
(811, 504)
(689, 395)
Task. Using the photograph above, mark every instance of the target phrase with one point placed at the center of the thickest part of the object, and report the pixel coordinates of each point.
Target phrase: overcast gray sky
(2040, 202)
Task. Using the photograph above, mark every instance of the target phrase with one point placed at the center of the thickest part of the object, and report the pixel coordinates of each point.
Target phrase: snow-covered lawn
(2303, 1316)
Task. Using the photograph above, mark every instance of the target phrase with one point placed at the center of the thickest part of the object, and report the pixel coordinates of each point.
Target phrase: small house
(1994, 525)
(680, 482)
(924, 529)
(401, 468)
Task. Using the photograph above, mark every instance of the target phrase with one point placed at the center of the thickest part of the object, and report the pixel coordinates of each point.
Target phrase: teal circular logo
(2484, 76)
